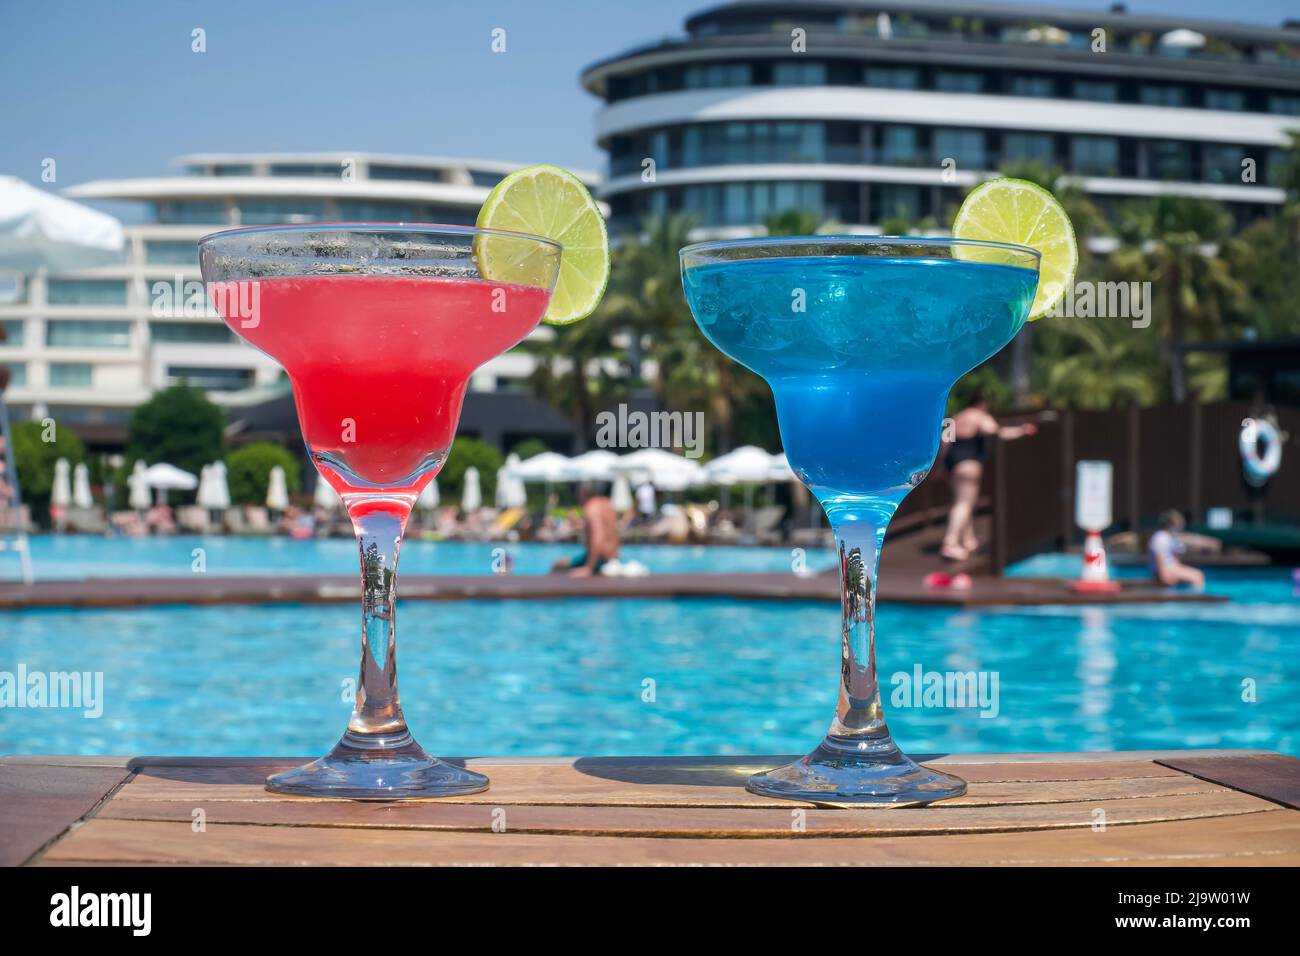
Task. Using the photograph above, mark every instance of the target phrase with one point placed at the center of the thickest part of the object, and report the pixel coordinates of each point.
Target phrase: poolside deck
(316, 589)
(1166, 808)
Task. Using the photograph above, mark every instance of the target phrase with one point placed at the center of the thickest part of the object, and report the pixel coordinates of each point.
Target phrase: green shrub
(178, 425)
(464, 453)
(248, 471)
(37, 447)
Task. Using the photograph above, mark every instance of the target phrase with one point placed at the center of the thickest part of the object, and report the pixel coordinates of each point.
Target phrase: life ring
(1260, 445)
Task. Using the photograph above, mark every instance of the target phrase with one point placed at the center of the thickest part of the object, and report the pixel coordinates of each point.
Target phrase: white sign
(1092, 489)
(1219, 518)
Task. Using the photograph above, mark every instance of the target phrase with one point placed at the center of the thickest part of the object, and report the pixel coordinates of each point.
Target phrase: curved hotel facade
(88, 347)
(860, 112)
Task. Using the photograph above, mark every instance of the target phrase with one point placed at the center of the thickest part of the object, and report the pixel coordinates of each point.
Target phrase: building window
(1095, 155)
(232, 169)
(899, 146)
(718, 74)
(1277, 159)
(210, 379)
(1028, 148)
(481, 177)
(954, 81)
(410, 174)
(70, 375)
(14, 332)
(270, 212)
(171, 253)
(1160, 95)
(799, 73)
(87, 334)
(365, 210)
(85, 292)
(747, 203)
(12, 288)
(1222, 164)
(758, 142)
(1032, 86)
(1170, 160)
(308, 169)
(893, 77)
(1286, 105)
(17, 372)
(1101, 91)
(966, 146)
(1233, 100)
(898, 201)
(189, 333)
(201, 212)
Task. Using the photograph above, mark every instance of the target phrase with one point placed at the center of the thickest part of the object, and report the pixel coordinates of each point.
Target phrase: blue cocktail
(860, 339)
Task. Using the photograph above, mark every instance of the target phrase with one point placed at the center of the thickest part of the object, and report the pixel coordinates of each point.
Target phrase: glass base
(849, 773)
(361, 769)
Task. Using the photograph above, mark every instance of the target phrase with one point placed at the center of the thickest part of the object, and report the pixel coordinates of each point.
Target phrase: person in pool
(600, 531)
(1164, 555)
(973, 429)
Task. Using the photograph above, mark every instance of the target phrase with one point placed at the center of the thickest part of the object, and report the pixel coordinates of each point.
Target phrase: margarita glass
(379, 328)
(860, 339)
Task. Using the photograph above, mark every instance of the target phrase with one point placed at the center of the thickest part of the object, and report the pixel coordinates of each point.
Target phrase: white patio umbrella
(511, 492)
(546, 467)
(746, 465)
(621, 495)
(430, 497)
(662, 468)
(472, 497)
(61, 490)
(324, 496)
(220, 487)
(595, 465)
(140, 498)
(163, 478)
(41, 230)
(277, 491)
(205, 486)
(781, 470)
(81, 496)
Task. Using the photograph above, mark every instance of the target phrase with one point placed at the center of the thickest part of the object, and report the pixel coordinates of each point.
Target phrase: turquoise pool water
(86, 556)
(569, 677)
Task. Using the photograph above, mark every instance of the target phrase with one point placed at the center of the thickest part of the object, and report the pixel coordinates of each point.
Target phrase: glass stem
(377, 720)
(859, 721)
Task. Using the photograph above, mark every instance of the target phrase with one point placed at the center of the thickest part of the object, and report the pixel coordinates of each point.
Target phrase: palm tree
(1088, 221)
(1172, 242)
(578, 369)
(686, 372)
(1095, 365)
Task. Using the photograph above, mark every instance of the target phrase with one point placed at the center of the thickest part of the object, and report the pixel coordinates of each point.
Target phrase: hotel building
(88, 347)
(862, 112)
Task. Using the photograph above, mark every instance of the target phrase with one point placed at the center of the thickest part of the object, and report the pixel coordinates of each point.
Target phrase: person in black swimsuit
(973, 432)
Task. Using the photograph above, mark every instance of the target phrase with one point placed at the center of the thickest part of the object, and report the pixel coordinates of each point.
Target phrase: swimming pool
(520, 678)
(66, 557)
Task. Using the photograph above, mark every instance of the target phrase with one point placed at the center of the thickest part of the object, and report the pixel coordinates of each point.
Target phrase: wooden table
(1137, 808)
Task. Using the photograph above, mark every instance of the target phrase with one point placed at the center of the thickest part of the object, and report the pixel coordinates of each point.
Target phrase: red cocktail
(379, 328)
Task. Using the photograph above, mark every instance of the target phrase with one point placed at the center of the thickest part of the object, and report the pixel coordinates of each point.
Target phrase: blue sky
(112, 89)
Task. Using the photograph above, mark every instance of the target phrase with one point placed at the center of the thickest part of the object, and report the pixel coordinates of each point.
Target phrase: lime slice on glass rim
(553, 203)
(1020, 212)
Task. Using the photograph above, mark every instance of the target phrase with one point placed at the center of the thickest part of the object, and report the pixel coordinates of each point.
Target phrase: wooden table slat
(38, 803)
(1138, 808)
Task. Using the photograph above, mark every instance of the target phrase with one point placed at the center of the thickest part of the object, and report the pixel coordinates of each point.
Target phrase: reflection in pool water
(579, 676)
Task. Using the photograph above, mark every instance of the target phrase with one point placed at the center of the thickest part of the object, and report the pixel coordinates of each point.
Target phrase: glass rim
(414, 228)
(711, 245)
